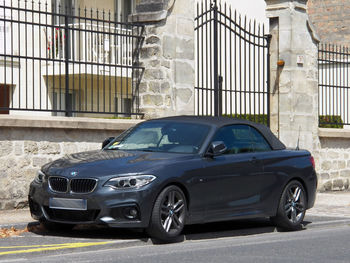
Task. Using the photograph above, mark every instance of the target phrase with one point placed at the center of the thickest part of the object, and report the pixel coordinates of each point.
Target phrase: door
(235, 182)
(4, 99)
(227, 180)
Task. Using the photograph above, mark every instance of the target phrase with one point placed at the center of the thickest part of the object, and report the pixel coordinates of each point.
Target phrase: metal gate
(333, 86)
(232, 70)
(60, 60)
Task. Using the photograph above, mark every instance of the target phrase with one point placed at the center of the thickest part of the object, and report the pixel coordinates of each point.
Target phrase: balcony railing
(91, 43)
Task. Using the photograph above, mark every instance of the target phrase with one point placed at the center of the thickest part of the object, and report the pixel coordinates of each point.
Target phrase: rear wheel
(292, 207)
(168, 215)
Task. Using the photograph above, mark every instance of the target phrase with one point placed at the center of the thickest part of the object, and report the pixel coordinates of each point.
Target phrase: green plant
(259, 118)
(332, 121)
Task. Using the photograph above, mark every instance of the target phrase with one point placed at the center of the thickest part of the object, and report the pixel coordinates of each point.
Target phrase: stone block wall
(167, 86)
(332, 159)
(24, 149)
(295, 85)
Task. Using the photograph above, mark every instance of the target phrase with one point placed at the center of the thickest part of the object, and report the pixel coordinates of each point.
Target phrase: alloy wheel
(172, 212)
(295, 204)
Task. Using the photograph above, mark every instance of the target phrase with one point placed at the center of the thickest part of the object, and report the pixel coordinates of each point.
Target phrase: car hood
(110, 162)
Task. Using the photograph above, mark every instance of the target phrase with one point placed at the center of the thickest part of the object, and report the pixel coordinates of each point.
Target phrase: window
(242, 139)
(123, 8)
(163, 136)
(259, 143)
(59, 103)
(4, 99)
(123, 106)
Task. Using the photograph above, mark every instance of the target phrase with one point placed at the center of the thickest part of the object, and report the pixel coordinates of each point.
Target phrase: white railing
(91, 43)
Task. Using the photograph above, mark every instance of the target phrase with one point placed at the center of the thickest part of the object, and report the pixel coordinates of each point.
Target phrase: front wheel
(292, 207)
(168, 215)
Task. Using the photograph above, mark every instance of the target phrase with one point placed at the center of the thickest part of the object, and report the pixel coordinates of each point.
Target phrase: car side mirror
(107, 141)
(216, 148)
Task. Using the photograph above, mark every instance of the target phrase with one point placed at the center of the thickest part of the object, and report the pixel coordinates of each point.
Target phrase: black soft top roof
(219, 122)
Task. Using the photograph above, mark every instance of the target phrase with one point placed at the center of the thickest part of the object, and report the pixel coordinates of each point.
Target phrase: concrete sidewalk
(332, 204)
(329, 204)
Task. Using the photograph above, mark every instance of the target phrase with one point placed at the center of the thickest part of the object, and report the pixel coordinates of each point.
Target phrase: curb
(17, 225)
(338, 221)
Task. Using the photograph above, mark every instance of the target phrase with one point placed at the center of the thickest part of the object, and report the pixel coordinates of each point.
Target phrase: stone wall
(331, 19)
(27, 144)
(167, 54)
(294, 88)
(294, 93)
(332, 159)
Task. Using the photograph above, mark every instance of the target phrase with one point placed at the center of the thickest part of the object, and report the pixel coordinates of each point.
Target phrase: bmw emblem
(74, 173)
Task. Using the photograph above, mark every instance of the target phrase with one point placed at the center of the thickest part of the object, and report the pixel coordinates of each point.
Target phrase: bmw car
(166, 173)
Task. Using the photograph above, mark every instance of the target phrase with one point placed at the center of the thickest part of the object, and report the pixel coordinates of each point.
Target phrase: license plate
(68, 204)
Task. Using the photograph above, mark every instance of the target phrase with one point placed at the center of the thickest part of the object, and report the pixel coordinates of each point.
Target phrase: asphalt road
(324, 239)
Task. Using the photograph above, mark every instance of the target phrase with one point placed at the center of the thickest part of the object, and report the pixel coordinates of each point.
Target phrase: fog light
(107, 219)
(131, 213)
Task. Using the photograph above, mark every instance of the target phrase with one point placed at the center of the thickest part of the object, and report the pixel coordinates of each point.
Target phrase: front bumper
(104, 206)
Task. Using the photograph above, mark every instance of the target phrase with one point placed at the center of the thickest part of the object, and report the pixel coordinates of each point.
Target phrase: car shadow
(232, 228)
(229, 229)
(90, 232)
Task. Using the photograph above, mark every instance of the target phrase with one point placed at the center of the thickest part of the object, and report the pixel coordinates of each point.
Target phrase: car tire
(168, 214)
(291, 208)
(56, 227)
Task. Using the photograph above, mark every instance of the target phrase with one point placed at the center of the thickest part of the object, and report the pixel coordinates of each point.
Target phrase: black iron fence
(232, 71)
(334, 85)
(68, 61)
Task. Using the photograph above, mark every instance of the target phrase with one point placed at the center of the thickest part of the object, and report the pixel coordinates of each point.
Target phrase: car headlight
(39, 177)
(127, 182)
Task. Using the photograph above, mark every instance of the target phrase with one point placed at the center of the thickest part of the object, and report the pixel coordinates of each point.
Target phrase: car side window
(241, 139)
(235, 138)
(259, 143)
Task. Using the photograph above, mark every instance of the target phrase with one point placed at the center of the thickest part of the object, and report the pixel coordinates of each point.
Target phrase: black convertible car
(165, 173)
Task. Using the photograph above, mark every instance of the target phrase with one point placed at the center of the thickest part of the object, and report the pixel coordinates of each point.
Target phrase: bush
(333, 121)
(258, 118)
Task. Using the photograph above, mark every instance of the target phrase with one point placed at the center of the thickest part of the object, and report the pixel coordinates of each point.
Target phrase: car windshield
(162, 136)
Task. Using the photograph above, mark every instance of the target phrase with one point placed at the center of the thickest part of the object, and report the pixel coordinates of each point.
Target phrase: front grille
(82, 185)
(58, 184)
(72, 215)
(79, 186)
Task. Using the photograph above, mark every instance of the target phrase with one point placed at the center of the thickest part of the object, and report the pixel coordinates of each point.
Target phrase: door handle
(253, 160)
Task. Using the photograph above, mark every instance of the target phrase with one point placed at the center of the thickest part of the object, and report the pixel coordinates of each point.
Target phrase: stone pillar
(294, 86)
(167, 86)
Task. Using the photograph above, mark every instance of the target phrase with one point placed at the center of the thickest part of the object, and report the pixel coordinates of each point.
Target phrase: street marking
(53, 245)
(40, 248)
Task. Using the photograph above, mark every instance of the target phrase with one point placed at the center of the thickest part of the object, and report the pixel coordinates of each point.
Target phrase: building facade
(67, 58)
